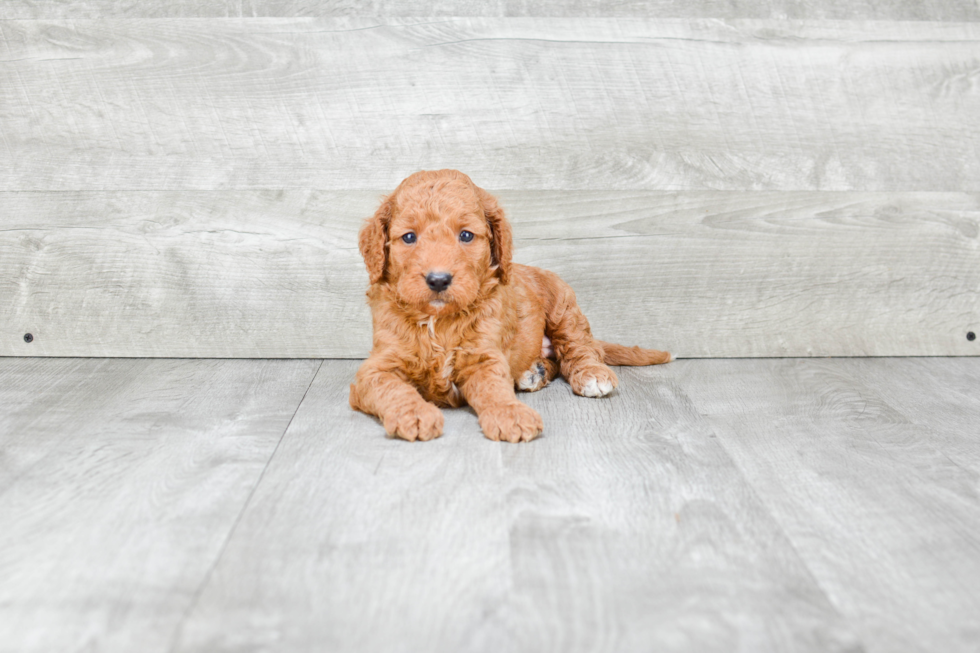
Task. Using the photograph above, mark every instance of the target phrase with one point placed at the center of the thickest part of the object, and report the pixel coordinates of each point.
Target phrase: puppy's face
(439, 247)
(443, 241)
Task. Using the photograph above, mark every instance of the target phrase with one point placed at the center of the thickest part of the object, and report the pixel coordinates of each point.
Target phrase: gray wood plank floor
(708, 505)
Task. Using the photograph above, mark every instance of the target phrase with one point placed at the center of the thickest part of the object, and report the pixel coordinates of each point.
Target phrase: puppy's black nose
(438, 281)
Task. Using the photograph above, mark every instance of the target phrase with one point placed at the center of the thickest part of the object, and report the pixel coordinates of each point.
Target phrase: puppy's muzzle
(438, 281)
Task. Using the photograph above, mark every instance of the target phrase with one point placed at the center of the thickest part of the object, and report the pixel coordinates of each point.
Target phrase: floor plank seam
(779, 525)
(231, 531)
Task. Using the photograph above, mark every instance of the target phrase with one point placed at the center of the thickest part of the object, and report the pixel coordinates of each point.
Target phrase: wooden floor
(709, 505)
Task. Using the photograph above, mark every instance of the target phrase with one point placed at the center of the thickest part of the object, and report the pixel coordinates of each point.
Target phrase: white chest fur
(437, 355)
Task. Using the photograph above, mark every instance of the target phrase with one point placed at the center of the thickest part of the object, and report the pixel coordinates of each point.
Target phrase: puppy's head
(438, 241)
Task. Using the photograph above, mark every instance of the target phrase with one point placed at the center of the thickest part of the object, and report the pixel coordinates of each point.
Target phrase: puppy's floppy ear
(501, 239)
(373, 241)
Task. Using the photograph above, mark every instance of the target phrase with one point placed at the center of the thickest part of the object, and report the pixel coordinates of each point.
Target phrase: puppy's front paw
(415, 421)
(594, 381)
(514, 422)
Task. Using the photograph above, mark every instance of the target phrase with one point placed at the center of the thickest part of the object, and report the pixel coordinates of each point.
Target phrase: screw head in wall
(28, 337)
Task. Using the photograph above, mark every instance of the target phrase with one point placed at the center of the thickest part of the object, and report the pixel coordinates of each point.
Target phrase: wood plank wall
(766, 179)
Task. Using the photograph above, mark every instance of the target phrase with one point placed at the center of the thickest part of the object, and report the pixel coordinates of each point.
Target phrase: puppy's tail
(613, 354)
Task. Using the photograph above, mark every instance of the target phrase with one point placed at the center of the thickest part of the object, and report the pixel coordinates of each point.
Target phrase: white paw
(528, 380)
(533, 379)
(594, 388)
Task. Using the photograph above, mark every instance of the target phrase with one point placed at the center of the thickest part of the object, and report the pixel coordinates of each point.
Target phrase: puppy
(455, 321)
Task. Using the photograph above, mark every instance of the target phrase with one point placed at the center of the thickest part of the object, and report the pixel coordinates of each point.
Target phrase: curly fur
(499, 324)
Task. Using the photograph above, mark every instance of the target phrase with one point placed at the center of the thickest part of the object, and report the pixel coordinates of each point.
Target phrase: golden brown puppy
(456, 322)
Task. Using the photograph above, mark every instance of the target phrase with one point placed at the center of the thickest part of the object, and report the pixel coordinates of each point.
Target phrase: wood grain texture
(949, 10)
(757, 505)
(945, 402)
(120, 481)
(871, 467)
(703, 274)
(624, 528)
(518, 103)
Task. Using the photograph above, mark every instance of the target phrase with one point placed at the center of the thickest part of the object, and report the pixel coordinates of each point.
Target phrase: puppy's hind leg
(540, 374)
(579, 355)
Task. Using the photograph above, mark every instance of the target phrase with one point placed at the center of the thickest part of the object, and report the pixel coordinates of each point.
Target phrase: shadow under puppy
(455, 321)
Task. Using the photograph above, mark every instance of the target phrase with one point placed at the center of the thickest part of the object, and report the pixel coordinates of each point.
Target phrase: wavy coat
(497, 326)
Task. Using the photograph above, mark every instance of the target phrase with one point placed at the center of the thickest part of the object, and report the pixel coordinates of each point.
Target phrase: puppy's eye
(409, 238)
(465, 236)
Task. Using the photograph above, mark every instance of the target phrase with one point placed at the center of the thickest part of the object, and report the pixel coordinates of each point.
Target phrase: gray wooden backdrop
(784, 178)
